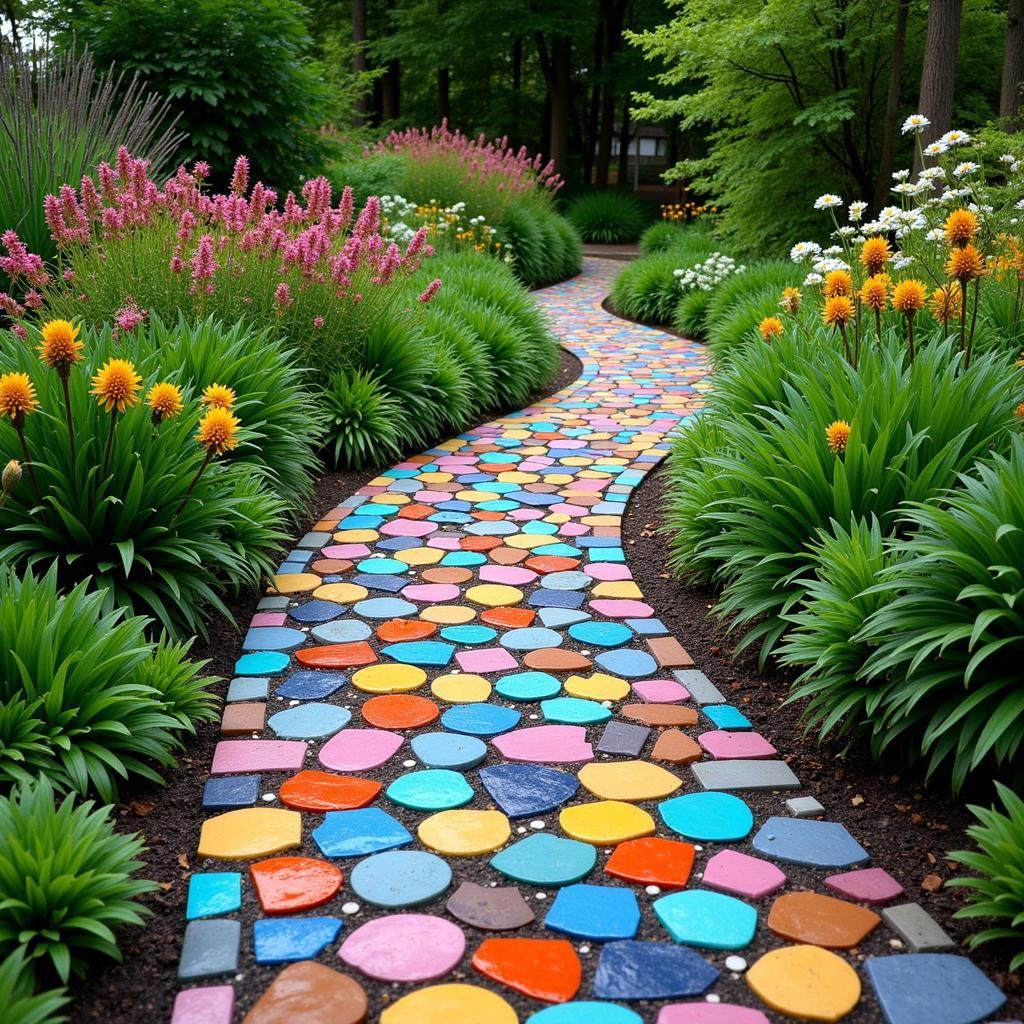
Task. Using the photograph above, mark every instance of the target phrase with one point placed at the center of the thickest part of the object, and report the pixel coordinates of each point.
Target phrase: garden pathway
(468, 776)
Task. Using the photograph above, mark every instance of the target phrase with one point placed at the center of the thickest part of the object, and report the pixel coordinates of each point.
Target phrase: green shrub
(65, 881)
(607, 217)
(726, 333)
(997, 888)
(760, 276)
(362, 420)
(662, 235)
(691, 309)
(17, 998)
(545, 247)
(376, 174)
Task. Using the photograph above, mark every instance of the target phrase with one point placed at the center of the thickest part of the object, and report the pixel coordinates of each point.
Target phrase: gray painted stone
(745, 775)
(273, 604)
(702, 690)
(315, 540)
(210, 949)
(623, 738)
(917, 928)
(804, 807)
(248, 688)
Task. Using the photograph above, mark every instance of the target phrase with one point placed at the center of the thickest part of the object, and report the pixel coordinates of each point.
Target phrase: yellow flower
(838, 435)
(961, 227)
(874, 254)
(908, 297)
(874, 293)
(61, 347)
(1020, 411)
(838, 311)
(218, 431)
(965, 264)
(837, 282)
(791, 299)
(116, 385)
(165, 400)
(770, 327)
(17, 396)
(945, 304)
(219, 396)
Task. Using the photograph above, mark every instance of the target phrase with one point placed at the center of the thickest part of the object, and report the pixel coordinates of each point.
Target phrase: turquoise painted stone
(282, 940)
(567, 581)
(601, 634)
(400, 878)
(480, 719)
(531, 639)
(725, 716)
(342, 631)
(528, 686)
(496, 528)
(434, 789)
(556, 618)
(708, 817)
(382, 566)
(546, 860)
(627, 663)
(538, 528)
(574, 711)
(526, 790)
(586, 1012)
(463, 559)
(814, 844)
(273, 638)
(598, 912)
(385, 608)
(213, 893)
(356, 833)
(651, 970)
(448, 750)
(262, 663)
(309, 721)
(468, 634)
(711, 920)
(431, 653)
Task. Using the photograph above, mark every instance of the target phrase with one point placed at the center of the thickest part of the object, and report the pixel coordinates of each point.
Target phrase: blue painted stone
(538, 527)
(708, 817)
(542, 598)
(462, 559)
(387, 584)
(623, 738)
(725, 716)
(525, 790)
(431, 653)
(398, 543)
(468, 634)
(448, 750)
(543, 859)
(574, 711)
(932, 988)
(382, 567)
(288, 568)
(556, 618)
(585, 1011)
(563, 550)
(627, 663)
(374, 508)
(355, 833)
(309, 721)
(500, 457)
(231, 791)
(503, 505)
(360, 523)
(310, 684)
(598, 912)
(213, 893)
(282, 940)
(453, 506)
(262, 663)
(344, 631)
(400, 878)
(647, 627)
(601, 634)
(253, 688)
(711, 920)
(815, 844)
(651, 970)
(597, 542)
(434, 789)
(480, 719)
(532, 638)
(385, 608)
(607, 554)
(567, 581)
(528, 686)
(273, 638)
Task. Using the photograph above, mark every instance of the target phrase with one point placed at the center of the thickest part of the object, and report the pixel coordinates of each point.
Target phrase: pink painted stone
(358, 750)
(404, 947)
(732, 746)
(408, 528)
(661, 691)
(564, 442)
(739, 873)
(622, 609)
(573, 530)
(346, 551)
(487, 659)
(523, 515)
(269, 619)
(608, 571)
(429, 497)
(710, 1013)
(409, 465)
(867, 885)
(258, 756)
(554, 744)
(444, 543)
(214, 1004)
(512, 574)
(569, 509)
(431, 593)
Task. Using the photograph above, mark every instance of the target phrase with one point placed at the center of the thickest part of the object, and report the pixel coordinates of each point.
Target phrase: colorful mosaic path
(467, 776)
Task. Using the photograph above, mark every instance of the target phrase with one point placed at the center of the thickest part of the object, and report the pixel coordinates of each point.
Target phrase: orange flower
(961, 227)
(838, 436)
(837, 282)
(874, 254)
(838, 311)
(165, 401)
(874, 293)
(218, 431)
(17, 396)
(1020, 411)
(61, 347)
(908, 297)
(219, 396)
(965, 264)
(945, 305)
(770, 327)
(791, 299)
(116, 385)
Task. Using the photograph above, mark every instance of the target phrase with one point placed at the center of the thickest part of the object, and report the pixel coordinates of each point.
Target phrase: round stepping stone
(627, 662)
(359, 832)
(606, 822)
(814, 844)
(494, 595)
(586, 1012)
(546, 969)
(336, 656)
(316, 611)
(526, 790)
(359, 750)
(628, 780)
(739, 873)
(651, 970)
(599, 686)
(446, 614)
(480, 719)
(550, 744)
(342, 631)
(389, 678)
(708, 817)
(422, 556)
(821, 920)
(464, 833)
(601, 634)
(710, 1013)
(313, 994)
(311, 685)
(403, 630)
(404, 948)
(384, 608)
(399, 711)
(341, 593)
(553, 659)
(530, 639)
(443, 1004)
(309, 721)
(622, 609)
(421, 652)
(469, 634)
(651, 860)
(493, 909)
(294, 582)
(660, 691)
(461, 689)
(262, 663)
(725, 746)
(322, 791)
(675, 747)
(433, 789)
(400, 878)
(511, 575)
(431, 593)
(574, 711)
(249, 833)
(566, 581)
(447, 574)
(445, 750)
(805, 982)
(381, 566)
(596, 912)
(709, 920)
(286, 885)
(282, 940)
(528, 686)
(273, 638)
(546, 860)
(868, 885)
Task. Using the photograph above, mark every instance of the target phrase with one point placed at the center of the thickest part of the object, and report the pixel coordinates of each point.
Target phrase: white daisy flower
(935, 235)
(935, 149)
(916, 123)
(813, 279)
(846, 230)
(1007, 158)
(901, 261)
(827, 201)
(904, 188)
(900, 175)
(803, 251)
(857, 210)
(955, 138)
(963, 169)
(833, 250)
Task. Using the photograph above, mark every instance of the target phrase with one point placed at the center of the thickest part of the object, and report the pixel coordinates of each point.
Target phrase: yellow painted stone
(450, 1004)
(517, 435)
(253, 832)
(448, 614)
(389, 678)
(628, 780)
(600, 520)
(475, 497)
(527, 540)
(434, 478)
(461, 689)
(599, 686)
(610, 460)
(617, 588)
(575, 460)
(534, 449)
(557, 518)
(495, 595)
(806, 982)
(593, 474)
(342, 593)
(294, 582)
(391, 498)
(381, 481)
(605, 823)
(465, 833)
(356, 536)
(558, 478)
(451, 446)
(517, 476)
(420, 556)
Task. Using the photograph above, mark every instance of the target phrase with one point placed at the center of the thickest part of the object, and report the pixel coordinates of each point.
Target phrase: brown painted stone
(660, 714)
(242, 719)
(331, 566)
(494, 910)
(819, 920)
(446, 574)
(310, 993)
(669, 652)
(554, 659)
(507, 556)
(676, 747)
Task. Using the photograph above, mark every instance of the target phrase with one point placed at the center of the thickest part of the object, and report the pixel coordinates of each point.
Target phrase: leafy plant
(363, 419)
(608, 216)
(18, 999)
(662, 235)
(648, 288)
(376, 174)
(545, 247)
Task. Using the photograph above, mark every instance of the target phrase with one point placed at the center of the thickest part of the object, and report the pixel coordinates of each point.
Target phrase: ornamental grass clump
(607, 217)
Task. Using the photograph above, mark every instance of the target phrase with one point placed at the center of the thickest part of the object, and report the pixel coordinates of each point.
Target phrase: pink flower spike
(240, 177)
(431, 290)
(283, 295)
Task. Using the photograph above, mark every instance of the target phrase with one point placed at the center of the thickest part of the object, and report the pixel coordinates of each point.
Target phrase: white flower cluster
(711, 272)
(401, 219)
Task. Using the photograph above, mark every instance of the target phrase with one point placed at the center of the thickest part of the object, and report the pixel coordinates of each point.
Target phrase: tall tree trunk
(1013, 66)
(443, 94)
(359, 59)
(590, 141)
(624, 132)
(939, 68)
(613, 14)
(391, 98)
(892, 106)
(556, 67)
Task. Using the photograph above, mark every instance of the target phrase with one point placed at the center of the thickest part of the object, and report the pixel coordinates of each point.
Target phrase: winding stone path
(468, 776)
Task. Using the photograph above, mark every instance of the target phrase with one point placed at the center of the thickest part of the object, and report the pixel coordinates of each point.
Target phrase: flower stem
(963, 313)
(846, 342)
(28, 460)
(974, 320)
(110, 441)
(910, 337)
(878, 324)
(191, 486)
(67, 415)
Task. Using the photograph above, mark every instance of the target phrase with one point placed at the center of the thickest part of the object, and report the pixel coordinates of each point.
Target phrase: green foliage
(377, 174)
(760, 276)
(545, 247)
(65, 881)
(606, 217)
(996, 888)
(726, 333)
(363, 419)
(661, 236)
(691, 309)
(17, 998)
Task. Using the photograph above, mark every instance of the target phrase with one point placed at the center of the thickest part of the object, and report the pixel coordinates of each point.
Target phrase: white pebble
(735, 963)
(537, 824)
(584, 949)
(292, 703)
(408, 764)
(712, 998)
(652, 890)
(698, 848)
(542, 896)
(350, 908)
(269, 798)
(521, 830)
(533, 718)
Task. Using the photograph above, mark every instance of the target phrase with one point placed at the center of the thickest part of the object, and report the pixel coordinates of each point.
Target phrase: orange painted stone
(330, 566)
(669, 652)
(398, 630)
(507, 556)
(819, 920)
(336, 655)
(479, 543)
(659, 714)
(488, 517)
(241, 719)
(554, 659)
(546, 969)
(551, 563)
(325, 791)
(446, 574)
(508, 618)
(313, 994)
(416, 511)
(676, 747)
(285, 885)
(399, 711)
(652, 861)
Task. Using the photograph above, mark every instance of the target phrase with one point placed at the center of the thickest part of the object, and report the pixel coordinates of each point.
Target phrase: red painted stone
(336, 655)
(551, 563)
(324, 791)
(546, 969)
(508, 618)
(652, 861)
(285, 885)
(479, 543)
